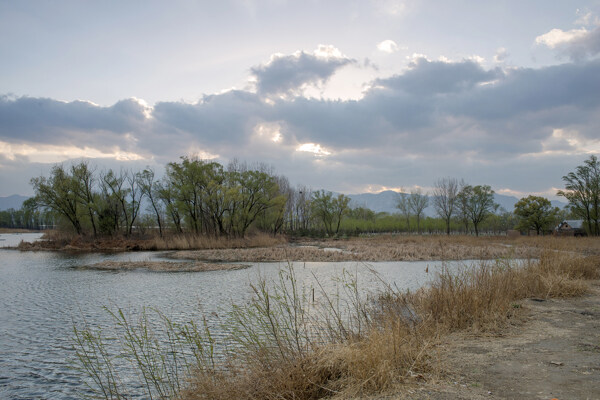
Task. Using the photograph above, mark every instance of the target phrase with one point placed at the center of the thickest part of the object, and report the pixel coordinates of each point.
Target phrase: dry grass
(403, 330)
(187, 242)
(378, 248)
(263, 247)
(64, 241)
(163, 266)
(12, 230)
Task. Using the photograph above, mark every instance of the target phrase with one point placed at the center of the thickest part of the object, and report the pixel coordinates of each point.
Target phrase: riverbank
(550, 351)
(265, 248)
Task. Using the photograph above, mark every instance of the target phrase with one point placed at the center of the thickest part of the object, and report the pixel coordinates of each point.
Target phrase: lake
(43, 294)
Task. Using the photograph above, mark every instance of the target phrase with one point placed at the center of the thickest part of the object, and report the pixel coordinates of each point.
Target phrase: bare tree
(403, 205)
(417, 201)
(150, 189)
(445, 192)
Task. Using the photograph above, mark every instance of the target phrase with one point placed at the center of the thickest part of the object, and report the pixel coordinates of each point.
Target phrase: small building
(571, 227)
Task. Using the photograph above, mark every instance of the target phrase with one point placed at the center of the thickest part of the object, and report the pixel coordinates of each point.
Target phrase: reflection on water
(42, 294)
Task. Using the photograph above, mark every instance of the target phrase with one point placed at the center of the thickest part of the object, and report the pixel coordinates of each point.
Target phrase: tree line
(206, 198)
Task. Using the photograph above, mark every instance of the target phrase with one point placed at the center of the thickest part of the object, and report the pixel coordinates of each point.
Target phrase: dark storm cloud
(285, 74)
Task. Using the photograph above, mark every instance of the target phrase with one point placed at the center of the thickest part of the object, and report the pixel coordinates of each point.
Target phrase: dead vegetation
(263, 247)
(62, 241)
(15, 230)
(164, 266)
(399, 248)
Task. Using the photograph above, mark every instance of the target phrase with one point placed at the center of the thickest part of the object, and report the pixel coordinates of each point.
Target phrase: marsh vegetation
(284, 345)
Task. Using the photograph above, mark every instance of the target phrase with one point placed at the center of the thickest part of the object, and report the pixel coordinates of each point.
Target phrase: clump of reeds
(194, 242)
(282, 345)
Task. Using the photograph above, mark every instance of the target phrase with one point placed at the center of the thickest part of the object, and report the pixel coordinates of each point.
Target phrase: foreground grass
(283, 346)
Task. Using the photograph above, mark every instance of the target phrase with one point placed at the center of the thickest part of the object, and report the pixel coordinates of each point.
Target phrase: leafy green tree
(84, 181)
(116, 208)
(58, 192)
(257, 191)
(582, 190)
(535, 213)
(329, 209)
(166, 194)
(477, 203)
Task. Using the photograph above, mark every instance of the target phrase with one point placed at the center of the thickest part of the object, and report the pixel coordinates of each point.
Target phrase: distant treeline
(29, 216)
(206, 198)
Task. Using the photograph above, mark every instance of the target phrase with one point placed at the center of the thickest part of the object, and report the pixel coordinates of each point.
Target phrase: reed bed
(379, 248)
(164, 266)
(65, 241)
(284, 346)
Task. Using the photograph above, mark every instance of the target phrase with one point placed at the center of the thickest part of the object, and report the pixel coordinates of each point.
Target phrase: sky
(348, 96)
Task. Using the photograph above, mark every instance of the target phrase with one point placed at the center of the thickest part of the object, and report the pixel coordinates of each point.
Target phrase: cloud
(387, 46)
(586, 18)
(494, 126)
(287, 75)
(501, 55)
(427, 77)
(393, 8)
(577, 44)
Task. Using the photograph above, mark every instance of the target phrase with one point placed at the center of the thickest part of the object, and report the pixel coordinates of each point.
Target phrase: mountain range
(15, 201)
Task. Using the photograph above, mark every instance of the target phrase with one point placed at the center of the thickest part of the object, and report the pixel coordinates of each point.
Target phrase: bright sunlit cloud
(387, 46)
(55, 154)
(557, 37)
(316, 149)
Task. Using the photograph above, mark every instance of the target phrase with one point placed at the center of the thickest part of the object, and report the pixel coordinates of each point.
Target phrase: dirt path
(553, 353)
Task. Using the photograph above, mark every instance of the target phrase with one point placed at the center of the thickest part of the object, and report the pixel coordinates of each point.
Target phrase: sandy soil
(552, 352)
(161, 266)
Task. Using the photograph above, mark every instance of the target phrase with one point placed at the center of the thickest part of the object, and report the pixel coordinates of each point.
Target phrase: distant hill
(15, 201)
(386, 202)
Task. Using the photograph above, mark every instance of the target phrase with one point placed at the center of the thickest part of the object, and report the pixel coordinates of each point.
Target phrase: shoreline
(366, 249)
